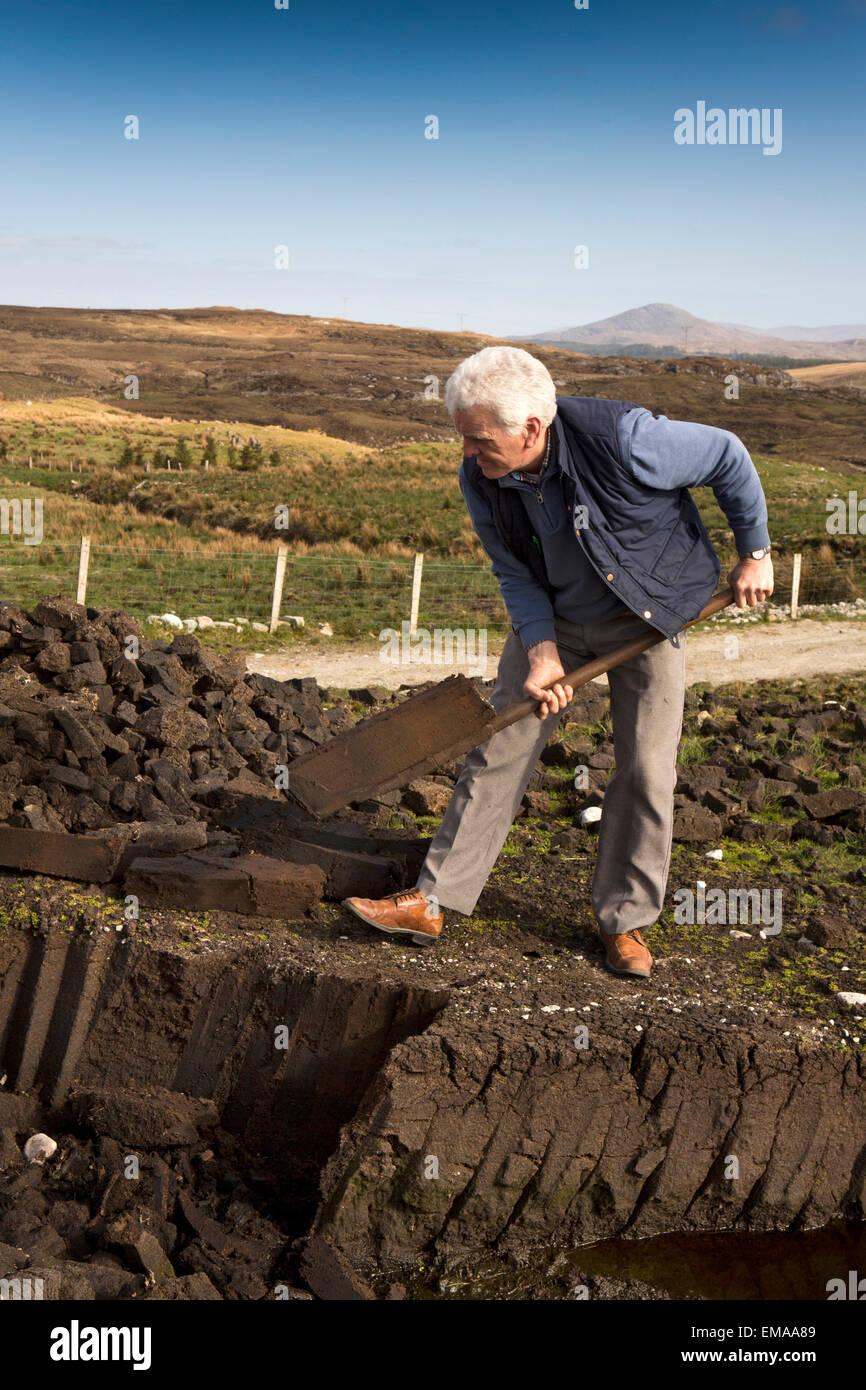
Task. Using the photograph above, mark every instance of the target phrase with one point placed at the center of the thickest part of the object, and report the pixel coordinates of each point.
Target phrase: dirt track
(763, 652)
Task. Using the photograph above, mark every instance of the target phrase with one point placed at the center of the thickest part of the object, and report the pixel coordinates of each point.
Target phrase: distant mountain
(666, 326)
(838, 333)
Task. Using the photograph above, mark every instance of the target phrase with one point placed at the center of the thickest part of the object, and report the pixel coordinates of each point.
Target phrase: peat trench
(274, 1121)
(248, 1105)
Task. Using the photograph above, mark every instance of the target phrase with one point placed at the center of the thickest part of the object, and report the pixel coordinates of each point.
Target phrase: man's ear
(533, 430)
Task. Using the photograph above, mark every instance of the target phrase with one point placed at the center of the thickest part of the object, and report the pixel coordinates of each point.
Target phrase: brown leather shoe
(400, 914)
(627, 954)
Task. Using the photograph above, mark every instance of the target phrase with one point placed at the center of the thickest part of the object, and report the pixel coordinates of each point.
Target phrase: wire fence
(354, 595)
(142, 581)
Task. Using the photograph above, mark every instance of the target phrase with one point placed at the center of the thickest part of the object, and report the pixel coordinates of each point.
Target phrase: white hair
(510, 383)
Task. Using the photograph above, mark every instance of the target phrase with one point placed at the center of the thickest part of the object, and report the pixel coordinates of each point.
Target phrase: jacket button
(647, 612)
(610, 576)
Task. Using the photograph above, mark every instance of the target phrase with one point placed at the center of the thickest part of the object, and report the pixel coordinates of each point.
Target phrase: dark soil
(146, 1197)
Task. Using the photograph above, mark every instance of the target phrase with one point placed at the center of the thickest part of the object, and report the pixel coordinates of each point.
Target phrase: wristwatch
(756, 554)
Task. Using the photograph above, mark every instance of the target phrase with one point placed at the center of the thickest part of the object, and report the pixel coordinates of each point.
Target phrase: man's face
(498, 453)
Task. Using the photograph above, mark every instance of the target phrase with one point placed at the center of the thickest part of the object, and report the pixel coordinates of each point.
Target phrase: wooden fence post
(279, 576)
(795, 585)
(83, 563)
(416, 592)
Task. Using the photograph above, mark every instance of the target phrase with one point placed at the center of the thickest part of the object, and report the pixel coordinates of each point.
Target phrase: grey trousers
(634, 845)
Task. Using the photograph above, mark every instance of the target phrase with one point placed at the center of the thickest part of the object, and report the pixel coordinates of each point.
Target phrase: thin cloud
(784, 19)
(98, 244)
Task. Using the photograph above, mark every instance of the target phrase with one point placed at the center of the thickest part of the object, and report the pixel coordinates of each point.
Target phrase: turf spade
(430, 729)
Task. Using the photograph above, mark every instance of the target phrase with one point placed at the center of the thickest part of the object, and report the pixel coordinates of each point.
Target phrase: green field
(203, 540)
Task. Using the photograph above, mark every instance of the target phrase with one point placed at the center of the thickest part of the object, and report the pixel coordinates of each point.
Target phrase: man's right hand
(546, 669)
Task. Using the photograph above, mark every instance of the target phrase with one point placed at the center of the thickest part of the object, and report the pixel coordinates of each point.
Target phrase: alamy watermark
(444, 646)
(846, 516)
(77, 1343)
(854, 1288)
(22, 516)
(729, 907)
(736, 126)
(21, 1288)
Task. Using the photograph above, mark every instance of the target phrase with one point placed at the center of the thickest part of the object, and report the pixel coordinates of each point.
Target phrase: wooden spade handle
(600, 664)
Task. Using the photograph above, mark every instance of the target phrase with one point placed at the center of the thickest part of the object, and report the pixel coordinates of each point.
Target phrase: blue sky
(305, 127)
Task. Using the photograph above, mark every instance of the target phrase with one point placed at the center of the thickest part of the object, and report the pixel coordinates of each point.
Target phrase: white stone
(326, 629)
(190, 624)
(292, 620)
(39, 1147)
(591, 815)
(171, 620)
(852, 1000)
(741, 935)
(715, 854)
(204, 621)
(259, 627)
(242, 622)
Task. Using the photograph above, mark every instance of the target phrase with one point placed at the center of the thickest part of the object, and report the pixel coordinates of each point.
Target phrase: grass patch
(693, 749)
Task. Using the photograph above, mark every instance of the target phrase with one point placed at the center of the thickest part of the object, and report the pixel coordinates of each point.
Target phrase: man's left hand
(752, 581)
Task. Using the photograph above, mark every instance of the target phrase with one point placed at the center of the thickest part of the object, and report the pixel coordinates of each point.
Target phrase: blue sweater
(660, 453)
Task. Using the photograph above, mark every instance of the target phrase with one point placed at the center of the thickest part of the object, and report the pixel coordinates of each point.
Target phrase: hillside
(354, 381)
(832, 374)
(366, 383)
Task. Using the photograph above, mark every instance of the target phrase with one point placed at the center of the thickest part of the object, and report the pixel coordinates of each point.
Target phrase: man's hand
(752, 581)
(544, 667)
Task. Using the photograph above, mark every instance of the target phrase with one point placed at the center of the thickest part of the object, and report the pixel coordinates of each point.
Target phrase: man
(582, 505)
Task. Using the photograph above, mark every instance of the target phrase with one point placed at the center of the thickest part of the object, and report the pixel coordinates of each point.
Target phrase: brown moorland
(366, 383)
